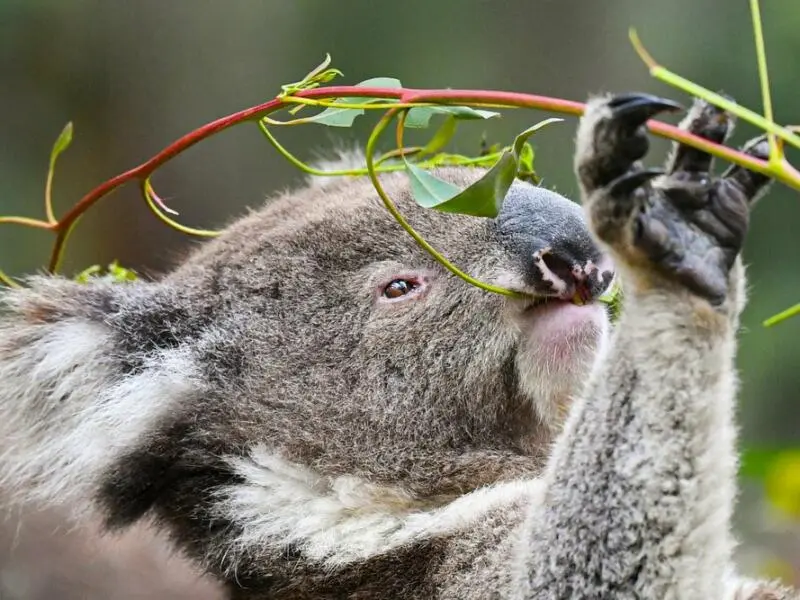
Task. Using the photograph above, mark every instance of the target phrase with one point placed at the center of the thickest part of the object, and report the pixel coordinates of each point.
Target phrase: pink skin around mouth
(561, 329)
(559, 343)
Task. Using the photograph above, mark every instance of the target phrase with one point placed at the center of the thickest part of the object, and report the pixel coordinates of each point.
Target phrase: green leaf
(525, 169)
(419, 117)
(114, 272)
(334, 116)
(317, 76)
(380, 82)
(441, 138)
(121, 274)
(62, 143)
(429, 191)
(613, 299)
(89, 272)
(522, 138)
(485, 197)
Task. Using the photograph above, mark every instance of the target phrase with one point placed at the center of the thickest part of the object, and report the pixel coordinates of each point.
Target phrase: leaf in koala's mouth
(613, 299)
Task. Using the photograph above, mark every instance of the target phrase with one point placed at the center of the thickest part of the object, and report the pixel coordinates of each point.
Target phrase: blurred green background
(135, 75)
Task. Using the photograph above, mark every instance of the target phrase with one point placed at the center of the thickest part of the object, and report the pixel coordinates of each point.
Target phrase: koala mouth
(558, 341)
(558, 324)
(541, 301)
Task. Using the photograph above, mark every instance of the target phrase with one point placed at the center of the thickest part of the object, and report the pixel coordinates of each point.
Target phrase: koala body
(311, 407)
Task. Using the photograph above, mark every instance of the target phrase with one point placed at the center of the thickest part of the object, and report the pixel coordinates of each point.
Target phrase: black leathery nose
(548, 235)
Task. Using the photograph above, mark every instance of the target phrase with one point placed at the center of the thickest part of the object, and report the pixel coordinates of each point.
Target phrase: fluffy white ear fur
(342, 159)
(66, 413)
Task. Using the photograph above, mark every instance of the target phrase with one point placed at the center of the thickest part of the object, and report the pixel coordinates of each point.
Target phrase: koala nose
(547, 235)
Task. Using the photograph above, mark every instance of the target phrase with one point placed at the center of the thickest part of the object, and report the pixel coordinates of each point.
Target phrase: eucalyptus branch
(408, 96)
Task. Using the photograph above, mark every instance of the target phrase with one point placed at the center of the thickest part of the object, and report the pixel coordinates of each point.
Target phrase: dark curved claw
(634, 109)
(627, 183)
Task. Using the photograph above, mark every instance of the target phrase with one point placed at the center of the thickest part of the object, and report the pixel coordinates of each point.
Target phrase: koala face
(315, 339)
(325, 333)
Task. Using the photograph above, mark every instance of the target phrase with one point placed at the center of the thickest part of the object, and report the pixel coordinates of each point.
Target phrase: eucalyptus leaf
(419, 117)
(612, 298)
(89, 272)
(429, 191)
(441, 138)
(114, 272)
(520, 140)
(320, 68)
(485, 197)
(380, 82)
(335, 116)
(525, 162)
(318, 75)
(62, 143)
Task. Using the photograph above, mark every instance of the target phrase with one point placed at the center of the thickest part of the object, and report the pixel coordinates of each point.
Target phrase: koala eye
(399, 287)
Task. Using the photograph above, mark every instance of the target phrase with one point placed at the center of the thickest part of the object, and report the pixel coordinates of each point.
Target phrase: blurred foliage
(114, 272)
(130, 94)
(782, 481)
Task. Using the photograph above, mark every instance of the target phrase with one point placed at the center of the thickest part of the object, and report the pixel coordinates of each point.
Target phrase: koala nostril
(552, 274)
(563, 276)
(558, 266)
(555, 270)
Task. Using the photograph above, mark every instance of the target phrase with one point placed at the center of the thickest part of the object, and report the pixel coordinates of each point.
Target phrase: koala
(310, 406)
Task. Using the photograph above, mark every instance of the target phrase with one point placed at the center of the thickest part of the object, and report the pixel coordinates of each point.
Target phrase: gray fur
(298, 435)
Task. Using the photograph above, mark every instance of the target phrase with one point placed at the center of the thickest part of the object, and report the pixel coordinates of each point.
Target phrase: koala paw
(681, 222)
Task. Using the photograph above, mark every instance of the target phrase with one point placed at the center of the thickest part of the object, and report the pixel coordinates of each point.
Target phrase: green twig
(156, 205)
(306, 168)
(775, 151)
(783, 315)
(7, 281)
(670, 78)
(35, 223)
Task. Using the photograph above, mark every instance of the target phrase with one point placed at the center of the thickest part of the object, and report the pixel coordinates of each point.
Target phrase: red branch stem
(406, 95)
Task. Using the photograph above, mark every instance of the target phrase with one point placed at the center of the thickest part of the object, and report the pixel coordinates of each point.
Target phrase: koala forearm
(640, 486)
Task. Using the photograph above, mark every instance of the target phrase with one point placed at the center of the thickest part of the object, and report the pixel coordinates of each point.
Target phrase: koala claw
(681, 222)
(627, 183)
(612, 136)
(635, 109)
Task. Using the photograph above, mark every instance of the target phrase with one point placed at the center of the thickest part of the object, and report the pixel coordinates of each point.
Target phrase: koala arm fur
(641, 484)
(653, 494)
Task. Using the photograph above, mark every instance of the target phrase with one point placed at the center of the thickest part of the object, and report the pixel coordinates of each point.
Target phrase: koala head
(312, 345)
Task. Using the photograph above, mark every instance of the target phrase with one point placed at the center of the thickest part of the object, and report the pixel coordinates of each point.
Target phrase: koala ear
(70, 401)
